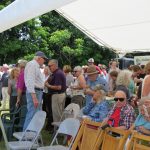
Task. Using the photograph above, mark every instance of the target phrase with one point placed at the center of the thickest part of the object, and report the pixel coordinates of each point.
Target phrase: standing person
(69, 80)
(78, 87)
(34, 82)
(12, 91)
(91, 62)
(46, 73)
(57, 87)
(21, 89)
(4, 80)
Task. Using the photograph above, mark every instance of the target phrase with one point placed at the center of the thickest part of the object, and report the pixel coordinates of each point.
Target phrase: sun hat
(91, 60)
(91, 70)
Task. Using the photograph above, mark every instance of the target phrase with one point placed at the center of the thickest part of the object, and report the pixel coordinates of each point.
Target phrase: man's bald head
(120, 94)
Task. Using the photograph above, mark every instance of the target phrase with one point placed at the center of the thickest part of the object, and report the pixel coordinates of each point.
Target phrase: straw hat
(92, 70)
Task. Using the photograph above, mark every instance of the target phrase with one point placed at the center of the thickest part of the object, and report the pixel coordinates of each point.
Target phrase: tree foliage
(55, 36)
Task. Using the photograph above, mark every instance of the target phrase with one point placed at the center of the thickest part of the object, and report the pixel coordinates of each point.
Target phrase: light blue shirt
(140, 121)
(97, 111)
(99, 80)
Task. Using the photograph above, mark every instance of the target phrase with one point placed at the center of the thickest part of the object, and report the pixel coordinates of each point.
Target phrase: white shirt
(33, 76)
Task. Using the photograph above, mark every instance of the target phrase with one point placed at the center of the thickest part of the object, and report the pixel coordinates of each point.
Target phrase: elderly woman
(122, 114)
(98, 109)
(78, 87)
(69, 80)
(12, 91)
(142, 122)
(123, 81)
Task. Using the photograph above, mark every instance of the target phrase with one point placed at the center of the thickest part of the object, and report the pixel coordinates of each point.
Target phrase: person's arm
(88, 108)
(53, 87)
(19, 94)
(146, 87)
(82, 82)
(144, 130)
(132, 127)
(9, 87)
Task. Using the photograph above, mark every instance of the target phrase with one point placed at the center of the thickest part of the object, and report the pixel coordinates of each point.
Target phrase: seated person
(98, 108)
(142, 122)
(122, 115)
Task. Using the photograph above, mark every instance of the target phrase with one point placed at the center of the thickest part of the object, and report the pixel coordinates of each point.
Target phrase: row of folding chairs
(29, 138)
(76, 136)
(91, 137)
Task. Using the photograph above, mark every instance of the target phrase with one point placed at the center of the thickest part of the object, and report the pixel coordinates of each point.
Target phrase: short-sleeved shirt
(99, 80)
(57, 78)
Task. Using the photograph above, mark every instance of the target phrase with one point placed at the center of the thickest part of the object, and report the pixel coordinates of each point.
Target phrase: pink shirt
(20, 81)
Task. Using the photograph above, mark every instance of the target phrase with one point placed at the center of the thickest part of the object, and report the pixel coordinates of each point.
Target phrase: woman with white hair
(142, 122)
(98, 108)
(78, 87)
(123, 81)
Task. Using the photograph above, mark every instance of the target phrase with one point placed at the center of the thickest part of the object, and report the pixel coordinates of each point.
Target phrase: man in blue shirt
(93, 79)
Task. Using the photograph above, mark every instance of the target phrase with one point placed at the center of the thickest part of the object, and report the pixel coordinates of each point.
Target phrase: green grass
(45, 135)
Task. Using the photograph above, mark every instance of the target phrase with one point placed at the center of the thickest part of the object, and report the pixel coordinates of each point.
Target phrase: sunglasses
(120, 99)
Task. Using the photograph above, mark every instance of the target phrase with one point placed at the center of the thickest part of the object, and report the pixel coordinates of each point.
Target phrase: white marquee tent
(122, 25)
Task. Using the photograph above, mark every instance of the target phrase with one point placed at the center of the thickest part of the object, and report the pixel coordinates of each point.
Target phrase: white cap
(5, 66)
(91, 60)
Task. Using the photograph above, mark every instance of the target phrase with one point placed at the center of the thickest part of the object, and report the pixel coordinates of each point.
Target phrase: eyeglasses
(75, 71)
(119, 98)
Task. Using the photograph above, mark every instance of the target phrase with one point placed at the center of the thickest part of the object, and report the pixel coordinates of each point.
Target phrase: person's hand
(18, 102)
(35, 102)
(89, 91)
(142, 129)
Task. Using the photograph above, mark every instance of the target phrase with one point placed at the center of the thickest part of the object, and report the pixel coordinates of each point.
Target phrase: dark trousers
(49, 109)
(45, 97)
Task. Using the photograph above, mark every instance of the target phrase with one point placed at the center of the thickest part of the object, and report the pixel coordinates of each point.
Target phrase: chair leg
(41, 140)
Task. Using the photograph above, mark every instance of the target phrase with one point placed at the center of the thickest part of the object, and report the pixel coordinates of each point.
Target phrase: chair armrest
(4, 110)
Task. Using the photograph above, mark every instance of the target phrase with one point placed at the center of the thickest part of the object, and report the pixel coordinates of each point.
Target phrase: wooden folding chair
(87, 135)
(138, 141)
(114, 139)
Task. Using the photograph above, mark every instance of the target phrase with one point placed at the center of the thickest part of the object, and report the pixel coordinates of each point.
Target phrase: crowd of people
(51, 88)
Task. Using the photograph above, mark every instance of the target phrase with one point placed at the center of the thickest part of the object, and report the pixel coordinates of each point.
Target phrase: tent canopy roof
(123, 25)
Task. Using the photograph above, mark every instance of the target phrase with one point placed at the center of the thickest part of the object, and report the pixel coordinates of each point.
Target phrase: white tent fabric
(123, 25)
(22, 10)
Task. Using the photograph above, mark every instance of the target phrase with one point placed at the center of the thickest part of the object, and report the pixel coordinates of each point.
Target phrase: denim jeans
(31, 110)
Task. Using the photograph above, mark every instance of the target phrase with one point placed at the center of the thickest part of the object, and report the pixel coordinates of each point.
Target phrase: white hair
(124, 78)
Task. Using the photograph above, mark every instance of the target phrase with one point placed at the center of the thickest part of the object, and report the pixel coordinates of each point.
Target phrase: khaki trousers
(58, 103)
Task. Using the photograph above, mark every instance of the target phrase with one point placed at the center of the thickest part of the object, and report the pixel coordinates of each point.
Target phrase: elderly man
(122, 115)
(93, 79)
(34, 82)
(56, 87)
